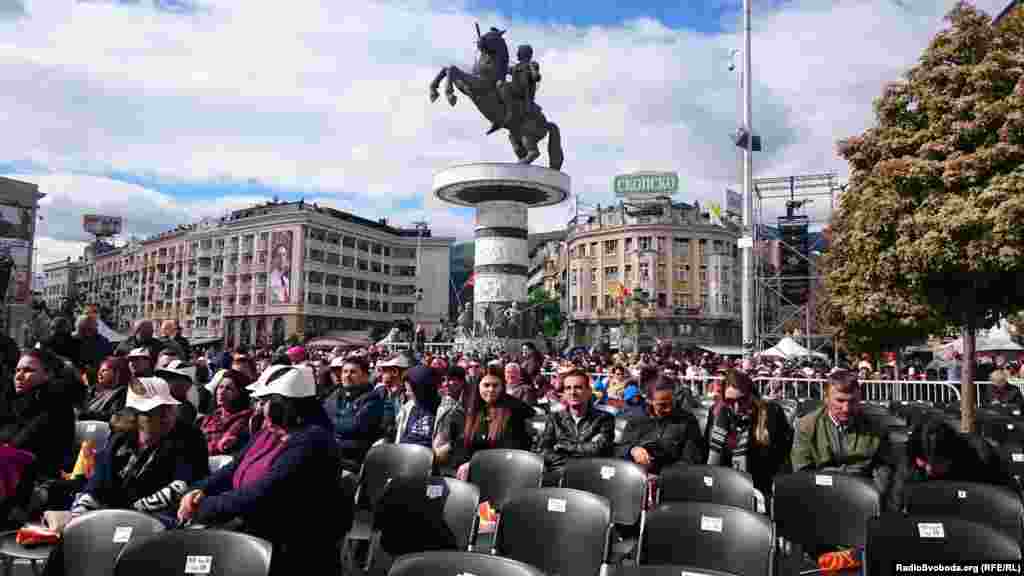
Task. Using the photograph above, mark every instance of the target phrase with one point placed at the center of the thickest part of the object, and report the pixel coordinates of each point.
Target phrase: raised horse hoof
(529, 158)
(434, 95)
(494, 128)
(451, 98)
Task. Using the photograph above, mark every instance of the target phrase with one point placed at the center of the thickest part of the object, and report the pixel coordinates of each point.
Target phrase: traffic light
(739, 138)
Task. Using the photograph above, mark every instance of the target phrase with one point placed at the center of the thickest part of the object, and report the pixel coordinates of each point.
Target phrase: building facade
(643, 271)
(265, 273)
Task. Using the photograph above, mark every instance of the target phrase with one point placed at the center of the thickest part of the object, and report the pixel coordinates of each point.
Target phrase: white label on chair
(607, 472)
(122, 534)
(1016, 412)
(556, 505)
(1009, 426)
(435, 491)
(931, 530)
(1017, 456)
(961, 494)
(90, 428)
(508, 456)
(710, 523)
(198, 564)
(709, 481)
(822, 480)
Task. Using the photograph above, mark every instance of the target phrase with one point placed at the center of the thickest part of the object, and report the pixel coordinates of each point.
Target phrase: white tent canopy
(788, 348)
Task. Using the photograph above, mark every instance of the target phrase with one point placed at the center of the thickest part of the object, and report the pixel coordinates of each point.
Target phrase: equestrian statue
(505, 96)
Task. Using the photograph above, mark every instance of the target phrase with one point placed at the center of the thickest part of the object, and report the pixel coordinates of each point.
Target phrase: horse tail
(555, 155)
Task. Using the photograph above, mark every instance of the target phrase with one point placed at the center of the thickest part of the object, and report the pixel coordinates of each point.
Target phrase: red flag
(470, 280)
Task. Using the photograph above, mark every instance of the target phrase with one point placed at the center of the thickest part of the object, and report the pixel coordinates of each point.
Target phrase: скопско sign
(646, 184)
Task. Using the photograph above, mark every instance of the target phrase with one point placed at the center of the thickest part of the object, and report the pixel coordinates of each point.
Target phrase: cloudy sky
(167, 111)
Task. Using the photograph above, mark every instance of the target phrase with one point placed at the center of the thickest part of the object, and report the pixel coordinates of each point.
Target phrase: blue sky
(166, 116)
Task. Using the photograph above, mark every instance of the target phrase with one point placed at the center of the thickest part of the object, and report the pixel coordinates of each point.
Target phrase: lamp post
(747, 241)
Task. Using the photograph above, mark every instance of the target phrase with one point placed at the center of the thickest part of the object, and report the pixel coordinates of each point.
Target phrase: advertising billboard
(646, 184)
(102, 225)
(280, 266)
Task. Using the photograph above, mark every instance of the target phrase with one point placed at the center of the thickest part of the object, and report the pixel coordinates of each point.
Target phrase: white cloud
(330, 100)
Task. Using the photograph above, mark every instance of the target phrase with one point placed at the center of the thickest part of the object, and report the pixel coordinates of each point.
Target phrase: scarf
(259, 458)
(223, 429)
(103, 400)
(730, 437)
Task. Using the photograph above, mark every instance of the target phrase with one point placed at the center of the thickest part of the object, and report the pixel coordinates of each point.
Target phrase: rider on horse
(519, 93)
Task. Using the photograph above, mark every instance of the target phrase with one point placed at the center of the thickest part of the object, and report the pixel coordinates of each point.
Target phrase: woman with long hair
(227, 429)
(493, 420)
(748, 433)
(415, 424)
(108, 397)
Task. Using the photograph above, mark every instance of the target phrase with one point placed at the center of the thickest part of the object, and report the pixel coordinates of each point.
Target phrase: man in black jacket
(579, 431)
(664, 437)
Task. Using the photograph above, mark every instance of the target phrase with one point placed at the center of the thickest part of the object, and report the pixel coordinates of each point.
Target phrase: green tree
(929, 230)
(547, 310)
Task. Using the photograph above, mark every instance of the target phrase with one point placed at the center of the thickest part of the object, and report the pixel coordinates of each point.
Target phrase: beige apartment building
(685, 263)
(266, 272)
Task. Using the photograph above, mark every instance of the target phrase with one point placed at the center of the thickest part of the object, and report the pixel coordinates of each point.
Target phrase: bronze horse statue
(492, 66)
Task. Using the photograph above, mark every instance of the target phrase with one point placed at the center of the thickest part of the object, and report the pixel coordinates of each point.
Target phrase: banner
(281, 265)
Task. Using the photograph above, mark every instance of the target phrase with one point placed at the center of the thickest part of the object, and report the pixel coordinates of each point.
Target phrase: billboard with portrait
(281, 266)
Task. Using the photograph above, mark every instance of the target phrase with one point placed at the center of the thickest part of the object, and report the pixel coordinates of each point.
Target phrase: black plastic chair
(211, 552)
(92, 542)
(662, 570)
(96, 430)
(995, 506)
(559, 530)
(500, 473)
(435, 513)
(1012, 454)
(895, 538)
(710, 536)
(387, 462)
(806, 505)
(704, 483)
(449, 563)
(624, 484)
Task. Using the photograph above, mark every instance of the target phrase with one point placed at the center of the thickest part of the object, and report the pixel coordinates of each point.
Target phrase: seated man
(361, 415)
(837, 437)
(666, 436)
(579, 431)
(147, 469)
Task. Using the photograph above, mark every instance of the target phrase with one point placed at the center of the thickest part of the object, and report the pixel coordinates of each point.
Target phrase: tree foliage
(929, 231)
(548, 310)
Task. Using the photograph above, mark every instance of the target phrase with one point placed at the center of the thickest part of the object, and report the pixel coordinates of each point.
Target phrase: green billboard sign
(648, 184)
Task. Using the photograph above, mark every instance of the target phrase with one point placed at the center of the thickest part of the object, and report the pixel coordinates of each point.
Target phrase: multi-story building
(264, 273)
(663, 269)
(60, 282)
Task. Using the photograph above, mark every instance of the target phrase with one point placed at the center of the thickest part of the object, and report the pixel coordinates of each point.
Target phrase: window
(387, 252)
(375, 267)
(611, 273)
(402, 307)
(593, 277)
(627, 277)
(346, 301)
(347, 282)
(361, 284)
(645, 275)
(575, 275)
(316, 277)
(332, 280)
(362, 265)
(593, 250)
(387, 269)
(333, 258)
(409, 271)
(316, 255)
(611, 247)
(682, 273)
(609, 302)
(662, 277)
(261, 278)
(364, 245)
(314, 298)
(347, 261)
(374, 287)
(261, 299)
(331, 299)
(348, 242)
(385, 288)
(662, 300)
(375, 249)
(644, 243)
(333, 238)
(593, 302)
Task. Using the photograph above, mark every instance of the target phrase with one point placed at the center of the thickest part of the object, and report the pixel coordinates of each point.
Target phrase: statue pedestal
(502, 194)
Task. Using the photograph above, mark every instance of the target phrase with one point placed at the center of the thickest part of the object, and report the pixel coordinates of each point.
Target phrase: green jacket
(817, 445)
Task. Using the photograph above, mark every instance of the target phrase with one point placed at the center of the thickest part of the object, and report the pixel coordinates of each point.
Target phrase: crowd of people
(297, 423)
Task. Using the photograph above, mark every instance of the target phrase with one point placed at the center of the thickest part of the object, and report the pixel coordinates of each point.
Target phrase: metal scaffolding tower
(777, 313)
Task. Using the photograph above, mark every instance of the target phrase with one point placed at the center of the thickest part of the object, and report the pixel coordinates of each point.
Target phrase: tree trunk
(968, 391)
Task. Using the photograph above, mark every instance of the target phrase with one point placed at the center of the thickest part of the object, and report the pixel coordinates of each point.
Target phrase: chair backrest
(390, 461)
(209, 552)
(500, 472)
(995, 506)
(703, 483)
(623, 483)
(620, 428)
(446, 563)
(1013, 458)
(706, 535)
(663, 570)
(96, 430)
(93, 541)
(439, 503)
(894, 537)
(559, 530)
(806, 505)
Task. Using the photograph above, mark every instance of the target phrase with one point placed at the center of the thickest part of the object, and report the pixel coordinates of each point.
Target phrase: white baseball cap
(139, 353)
(157, 393)
(211, 386)
(267, 373)
(297, 382)
(179, 367)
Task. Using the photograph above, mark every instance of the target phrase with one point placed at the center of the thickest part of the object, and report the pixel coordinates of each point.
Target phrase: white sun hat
(296, 382)
(179, 367)
(156, 393)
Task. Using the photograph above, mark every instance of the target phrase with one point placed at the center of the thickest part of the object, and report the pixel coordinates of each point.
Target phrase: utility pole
(747, 240)
(421, 227)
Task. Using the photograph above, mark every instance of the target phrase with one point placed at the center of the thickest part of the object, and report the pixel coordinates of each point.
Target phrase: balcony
(215, 291)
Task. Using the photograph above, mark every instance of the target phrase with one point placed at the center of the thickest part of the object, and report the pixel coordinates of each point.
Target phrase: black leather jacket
(674, 438)
(593, 437)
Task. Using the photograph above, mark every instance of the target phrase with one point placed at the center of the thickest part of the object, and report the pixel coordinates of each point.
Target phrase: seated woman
(416, 418)
(227, 429)
(285, 475)
(493, 419)
(108, 397)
